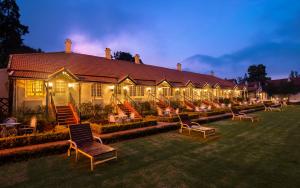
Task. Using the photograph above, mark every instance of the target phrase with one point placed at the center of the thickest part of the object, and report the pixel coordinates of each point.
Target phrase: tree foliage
(126, 56)
(257, 73)
(285, 87)
(11, 32)
(294, 74)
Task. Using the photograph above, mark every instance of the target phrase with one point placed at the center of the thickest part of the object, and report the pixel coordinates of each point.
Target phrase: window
(166, 91)
(190, 92)
(136, 91)
(96, 90)
(139, 90)
(60, 87)
(34, 88)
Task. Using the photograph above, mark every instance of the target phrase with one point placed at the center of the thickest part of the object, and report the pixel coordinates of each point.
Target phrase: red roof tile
(99, 69)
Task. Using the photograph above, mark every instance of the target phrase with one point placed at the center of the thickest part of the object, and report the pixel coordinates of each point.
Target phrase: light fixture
(71, 85)
(148, 89)
(125, 88)
(111, 87)
(49, 84)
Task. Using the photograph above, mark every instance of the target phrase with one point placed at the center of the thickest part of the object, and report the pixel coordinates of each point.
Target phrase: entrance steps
(65, 115)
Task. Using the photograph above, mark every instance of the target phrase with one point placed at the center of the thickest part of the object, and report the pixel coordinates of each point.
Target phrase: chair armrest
(185, 125)
(73, 143)
(98, 138)
(242, 113)
(195, 123)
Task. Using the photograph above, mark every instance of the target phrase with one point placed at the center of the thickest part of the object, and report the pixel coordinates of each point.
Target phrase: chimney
(107, 53)
(68, 46)
(179, 67)
(212, 73)
(137, 59)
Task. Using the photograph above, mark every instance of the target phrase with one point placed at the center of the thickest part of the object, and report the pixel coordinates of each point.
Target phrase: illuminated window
(96, 90)
(137, 91)
(34, 88)
(60, 87)
(166, 91)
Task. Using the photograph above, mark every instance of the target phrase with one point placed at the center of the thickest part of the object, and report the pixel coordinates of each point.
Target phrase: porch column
(11, 97)
(47, 101)
(79, 101)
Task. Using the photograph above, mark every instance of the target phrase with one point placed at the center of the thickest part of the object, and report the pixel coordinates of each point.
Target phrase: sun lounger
(83, 141)
(185, 123)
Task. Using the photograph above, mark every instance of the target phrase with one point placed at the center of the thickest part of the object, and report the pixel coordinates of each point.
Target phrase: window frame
(36, 86)
(96, 90)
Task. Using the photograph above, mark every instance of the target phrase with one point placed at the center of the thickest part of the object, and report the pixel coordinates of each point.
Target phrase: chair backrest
(112, 119)
(33, 122)
(234, 111)
(81, 133)
(10, 120)
(183, 118)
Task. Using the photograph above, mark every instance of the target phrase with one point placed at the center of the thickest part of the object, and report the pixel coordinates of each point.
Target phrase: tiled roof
(99, 69)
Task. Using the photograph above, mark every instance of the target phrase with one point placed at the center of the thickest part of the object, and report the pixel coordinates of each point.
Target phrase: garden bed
(103, 129)
(39, 138)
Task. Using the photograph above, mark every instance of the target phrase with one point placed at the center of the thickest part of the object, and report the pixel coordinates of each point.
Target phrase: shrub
(24, 140)
(168, 119)
(101, 129)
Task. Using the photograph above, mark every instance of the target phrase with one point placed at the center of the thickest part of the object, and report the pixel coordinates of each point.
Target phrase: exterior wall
(107, 90)
(21, 100)
(3, 83)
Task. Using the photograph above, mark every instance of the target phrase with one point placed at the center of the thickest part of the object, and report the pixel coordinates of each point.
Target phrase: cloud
(140, 43)
(279, 58)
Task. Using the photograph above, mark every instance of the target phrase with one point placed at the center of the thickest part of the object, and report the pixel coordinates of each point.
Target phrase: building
(61, 78)
(286, 88)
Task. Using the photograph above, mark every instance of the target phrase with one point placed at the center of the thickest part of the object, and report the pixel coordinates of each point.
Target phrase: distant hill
(280, 59)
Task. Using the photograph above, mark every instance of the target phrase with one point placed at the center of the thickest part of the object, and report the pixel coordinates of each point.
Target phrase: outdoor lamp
(111, 88)
(71, 85)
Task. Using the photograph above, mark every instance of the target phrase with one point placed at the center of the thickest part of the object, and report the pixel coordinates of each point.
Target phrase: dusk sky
(223, 36)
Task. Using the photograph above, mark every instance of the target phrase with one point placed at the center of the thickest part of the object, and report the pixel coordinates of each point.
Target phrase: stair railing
(74, 107)
(165, 100)
(114, 100)
(133, 103)
(53, 106)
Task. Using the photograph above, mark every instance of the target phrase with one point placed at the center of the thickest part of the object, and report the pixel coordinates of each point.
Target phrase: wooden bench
(83, 141)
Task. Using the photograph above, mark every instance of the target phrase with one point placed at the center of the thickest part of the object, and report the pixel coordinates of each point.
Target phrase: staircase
(189, 105)
(161, 105)
(127, 109)
(65, 115)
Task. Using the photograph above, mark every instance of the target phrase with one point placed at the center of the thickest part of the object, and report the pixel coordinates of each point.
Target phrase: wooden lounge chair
(83, 141)
(241, 116)
(235, 114)
(185, 123)
(272, 107)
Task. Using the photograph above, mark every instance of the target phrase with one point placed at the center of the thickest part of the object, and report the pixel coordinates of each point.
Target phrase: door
(61, 93)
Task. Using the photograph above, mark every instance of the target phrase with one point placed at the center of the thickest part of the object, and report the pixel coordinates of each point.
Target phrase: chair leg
(92, 164)
(69, 152)
(76, 153)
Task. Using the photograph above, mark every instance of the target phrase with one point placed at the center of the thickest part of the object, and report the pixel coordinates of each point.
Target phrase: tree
(11, 32)
(126, 56)
(257, 73)
(294, 74)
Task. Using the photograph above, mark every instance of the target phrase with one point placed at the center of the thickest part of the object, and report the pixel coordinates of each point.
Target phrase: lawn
(263, 154)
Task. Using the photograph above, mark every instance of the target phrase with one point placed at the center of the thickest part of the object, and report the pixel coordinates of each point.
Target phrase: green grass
(263, 154)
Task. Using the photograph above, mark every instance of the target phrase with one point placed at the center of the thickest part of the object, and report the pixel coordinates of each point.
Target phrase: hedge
(25, 140)
(102, 129)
